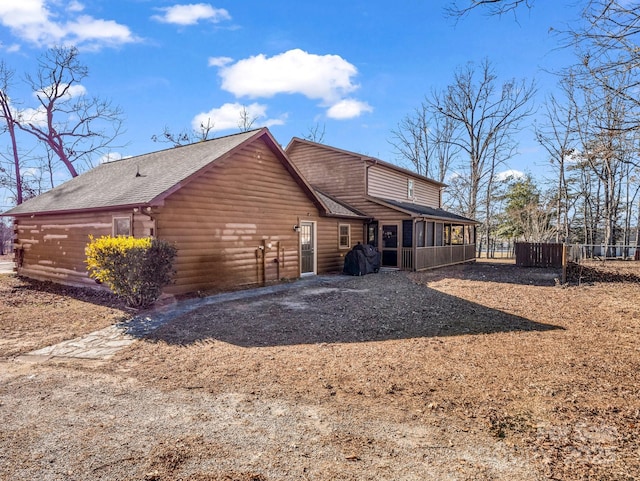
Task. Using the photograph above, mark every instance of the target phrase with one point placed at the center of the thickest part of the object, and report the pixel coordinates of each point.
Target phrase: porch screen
(420, 233)
(407, 233)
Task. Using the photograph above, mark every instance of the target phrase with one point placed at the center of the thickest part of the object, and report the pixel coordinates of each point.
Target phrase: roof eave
(77, 211)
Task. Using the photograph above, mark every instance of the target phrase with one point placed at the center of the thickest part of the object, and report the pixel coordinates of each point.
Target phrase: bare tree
(10, 125)
(246, 120)
(423, 139)
(484, 117)
(6, 235)
(607, 44)
(412, 142)
(607, 146)
(492, 7)
(185, 137)
(557, 134)
(315, 133)
(69, 122)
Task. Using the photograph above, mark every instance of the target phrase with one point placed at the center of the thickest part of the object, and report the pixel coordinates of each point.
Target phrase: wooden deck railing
(429, 257)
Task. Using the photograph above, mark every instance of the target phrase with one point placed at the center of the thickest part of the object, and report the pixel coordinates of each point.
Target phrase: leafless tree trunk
(423, 138)
(246, 120)
(557, 136)
(7, 114)
(315, 133)
(484, 117)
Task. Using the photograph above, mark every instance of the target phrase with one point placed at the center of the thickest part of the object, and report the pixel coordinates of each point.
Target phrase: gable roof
(422, 210)
(364, 158)
(339, 209)
(149, 178)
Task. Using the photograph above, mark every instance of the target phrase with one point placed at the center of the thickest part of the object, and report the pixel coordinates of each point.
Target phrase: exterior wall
(233, 225)
(351, 179)
(389, 184)
(338, 174)
(330, 255)
(51, 247)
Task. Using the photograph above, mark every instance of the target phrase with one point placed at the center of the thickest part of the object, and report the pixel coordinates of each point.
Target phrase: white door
(307, 248)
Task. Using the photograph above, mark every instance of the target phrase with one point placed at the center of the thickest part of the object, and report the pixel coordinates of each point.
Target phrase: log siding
(232, 223)
(389, 184)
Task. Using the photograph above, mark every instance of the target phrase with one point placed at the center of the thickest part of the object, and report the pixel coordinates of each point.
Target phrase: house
(408, 224)
(238, 211)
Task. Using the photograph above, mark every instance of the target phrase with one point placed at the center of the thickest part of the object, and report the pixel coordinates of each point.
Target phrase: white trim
(314, 239)
(117, 217)
(348, 245)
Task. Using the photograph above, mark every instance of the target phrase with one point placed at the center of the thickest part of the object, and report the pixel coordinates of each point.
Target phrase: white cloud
(348, 109)
(327, 78)
(509, 175)
(110, 157)
(219, 61)
(75, 6)
(191, 14)
(34, 21)
(13, 48)
(228, 117)
(324, 77)
(72, 91)
(37, 117)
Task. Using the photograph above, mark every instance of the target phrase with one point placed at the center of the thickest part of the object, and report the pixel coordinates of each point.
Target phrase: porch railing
(429, 257)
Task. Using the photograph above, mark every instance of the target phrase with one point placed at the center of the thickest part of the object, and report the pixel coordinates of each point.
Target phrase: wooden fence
(537, 254)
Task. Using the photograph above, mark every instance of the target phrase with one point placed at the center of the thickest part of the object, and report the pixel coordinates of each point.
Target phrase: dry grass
(37, 314)
(483, 371)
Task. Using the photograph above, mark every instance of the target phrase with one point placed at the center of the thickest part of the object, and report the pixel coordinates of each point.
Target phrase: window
(344, 234)
(457, 234)
(410, 188)
(407, 233)
(121, 226)
(470, 234)
(430, 234)
(420, 233)
(372, 234)
(438, 238)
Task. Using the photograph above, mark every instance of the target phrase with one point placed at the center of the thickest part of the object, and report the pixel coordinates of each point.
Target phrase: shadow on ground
(371, 308)
(488, 271)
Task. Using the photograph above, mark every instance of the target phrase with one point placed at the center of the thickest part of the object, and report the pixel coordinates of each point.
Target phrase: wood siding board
(56, 244)
(217, 220)
(240, 202)
(390, 184)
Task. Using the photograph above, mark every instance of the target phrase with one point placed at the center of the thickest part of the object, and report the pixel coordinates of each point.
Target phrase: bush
(134, 269)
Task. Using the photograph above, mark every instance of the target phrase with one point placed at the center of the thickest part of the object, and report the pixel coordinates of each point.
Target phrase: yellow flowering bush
(134, 268)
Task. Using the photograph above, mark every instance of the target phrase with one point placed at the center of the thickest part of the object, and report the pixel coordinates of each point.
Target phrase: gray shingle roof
(338, 208)
(135, 180)
(427, 211)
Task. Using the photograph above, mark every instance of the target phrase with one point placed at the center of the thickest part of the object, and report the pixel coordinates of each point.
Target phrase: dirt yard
(475, 372)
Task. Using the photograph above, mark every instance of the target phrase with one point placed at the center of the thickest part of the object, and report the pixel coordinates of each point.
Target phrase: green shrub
(134, 269)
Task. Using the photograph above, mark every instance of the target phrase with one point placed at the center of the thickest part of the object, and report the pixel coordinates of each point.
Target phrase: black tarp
(361, 260)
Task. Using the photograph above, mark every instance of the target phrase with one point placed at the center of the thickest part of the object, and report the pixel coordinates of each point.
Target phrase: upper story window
(344, 236)
(121, 226)
(410, 188)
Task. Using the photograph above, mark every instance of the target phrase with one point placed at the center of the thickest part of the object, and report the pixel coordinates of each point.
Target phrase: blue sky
(356, 68)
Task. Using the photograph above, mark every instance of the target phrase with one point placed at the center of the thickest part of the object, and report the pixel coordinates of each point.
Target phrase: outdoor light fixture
(296, 228)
